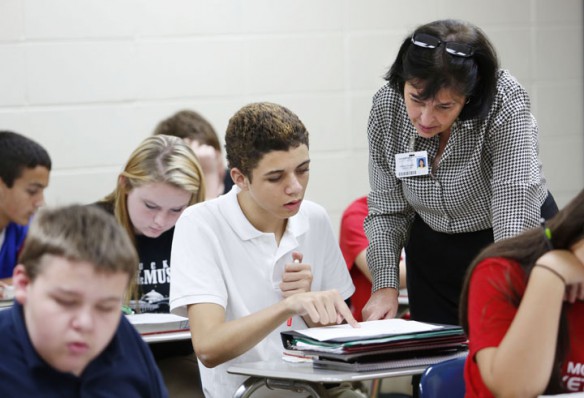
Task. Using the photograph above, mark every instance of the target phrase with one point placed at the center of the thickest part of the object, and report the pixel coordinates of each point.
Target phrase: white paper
(367, 329)
(139, 319)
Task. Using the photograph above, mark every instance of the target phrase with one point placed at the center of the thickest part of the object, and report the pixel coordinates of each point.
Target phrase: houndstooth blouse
(489, 176)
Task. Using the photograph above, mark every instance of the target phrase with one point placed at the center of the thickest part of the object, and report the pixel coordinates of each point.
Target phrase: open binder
(385, 344)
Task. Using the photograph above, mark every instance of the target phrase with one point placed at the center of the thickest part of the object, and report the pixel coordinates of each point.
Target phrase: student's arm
(361, 263)
(216, 341)
(522, 363)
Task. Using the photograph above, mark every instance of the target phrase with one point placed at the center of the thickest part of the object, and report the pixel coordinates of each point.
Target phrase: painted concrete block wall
(90, 79)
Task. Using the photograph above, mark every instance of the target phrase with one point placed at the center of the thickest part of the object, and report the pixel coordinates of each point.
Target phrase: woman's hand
(381, 305)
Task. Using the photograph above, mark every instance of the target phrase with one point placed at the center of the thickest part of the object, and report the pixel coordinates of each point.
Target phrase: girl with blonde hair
(161, 178)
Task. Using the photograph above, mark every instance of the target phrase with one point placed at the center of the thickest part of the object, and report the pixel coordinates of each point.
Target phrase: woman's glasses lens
(428, 41)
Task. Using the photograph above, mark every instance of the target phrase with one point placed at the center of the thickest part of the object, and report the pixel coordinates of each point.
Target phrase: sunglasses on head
(425, 40)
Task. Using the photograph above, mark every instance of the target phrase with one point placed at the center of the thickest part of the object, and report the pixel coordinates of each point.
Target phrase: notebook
(158, 323)
(383, 344)
(396, 362)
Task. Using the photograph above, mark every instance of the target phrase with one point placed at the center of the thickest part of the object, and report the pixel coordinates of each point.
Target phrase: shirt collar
(296, 226)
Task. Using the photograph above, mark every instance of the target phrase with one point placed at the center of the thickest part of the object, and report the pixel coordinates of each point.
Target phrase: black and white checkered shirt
(489, 175)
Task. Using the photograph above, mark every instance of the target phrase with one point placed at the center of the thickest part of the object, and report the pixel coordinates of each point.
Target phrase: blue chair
(443, 380)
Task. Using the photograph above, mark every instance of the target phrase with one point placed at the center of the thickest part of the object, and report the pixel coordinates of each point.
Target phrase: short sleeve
(490, 310)
(352, 235)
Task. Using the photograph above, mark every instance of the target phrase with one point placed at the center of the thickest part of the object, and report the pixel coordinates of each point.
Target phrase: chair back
(443, 380)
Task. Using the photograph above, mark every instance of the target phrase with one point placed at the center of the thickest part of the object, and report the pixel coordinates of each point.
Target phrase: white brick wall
(89, 79)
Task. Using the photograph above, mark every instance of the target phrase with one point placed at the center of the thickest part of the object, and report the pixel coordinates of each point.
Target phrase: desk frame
(303, 377)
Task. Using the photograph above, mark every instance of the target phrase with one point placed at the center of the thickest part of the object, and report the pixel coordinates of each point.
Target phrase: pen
(289, 321)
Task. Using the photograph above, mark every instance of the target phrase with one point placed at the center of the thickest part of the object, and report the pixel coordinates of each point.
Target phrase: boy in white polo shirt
(259, 259)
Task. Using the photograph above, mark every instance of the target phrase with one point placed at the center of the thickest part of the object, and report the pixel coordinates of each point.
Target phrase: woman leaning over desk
(447, 102)
(522, 309)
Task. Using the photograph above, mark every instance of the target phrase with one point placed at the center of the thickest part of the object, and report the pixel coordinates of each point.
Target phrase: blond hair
(78, 233)
(159, 158)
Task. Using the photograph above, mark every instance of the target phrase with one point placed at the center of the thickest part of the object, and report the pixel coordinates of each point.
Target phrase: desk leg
(252, 384)
(249, 386)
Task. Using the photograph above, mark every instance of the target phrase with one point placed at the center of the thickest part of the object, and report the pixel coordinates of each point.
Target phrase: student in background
(522, 307)
(259, 259)
(200, 135)
(161, 178)
(24, 175)
(65, 335)
(353, 243)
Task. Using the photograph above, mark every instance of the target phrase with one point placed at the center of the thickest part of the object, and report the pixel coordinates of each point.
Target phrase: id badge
(411, 164)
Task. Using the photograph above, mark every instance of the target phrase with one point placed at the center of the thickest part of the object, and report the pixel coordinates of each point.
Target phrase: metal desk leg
(375, 388)
(252, 384)
(249, 386)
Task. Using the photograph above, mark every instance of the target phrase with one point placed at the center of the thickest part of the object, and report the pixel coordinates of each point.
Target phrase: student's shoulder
(314, 211)
(5, 320)
(128, 336)
(206, 208)
(16, 230)
(310, 207)
(357, 207)
(499, 269)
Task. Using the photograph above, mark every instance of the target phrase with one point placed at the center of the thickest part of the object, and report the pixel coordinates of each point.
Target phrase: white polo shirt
(219, 257)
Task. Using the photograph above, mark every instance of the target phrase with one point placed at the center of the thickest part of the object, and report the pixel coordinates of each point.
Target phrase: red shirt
(353, 241)
(490, 315)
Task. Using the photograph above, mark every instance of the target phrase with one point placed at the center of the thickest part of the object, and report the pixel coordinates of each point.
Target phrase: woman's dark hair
(475, 76)
(567, 228)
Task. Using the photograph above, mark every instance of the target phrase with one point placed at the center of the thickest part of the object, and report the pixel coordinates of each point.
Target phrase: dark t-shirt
(153, 269)
(154, 272)
(154, 283)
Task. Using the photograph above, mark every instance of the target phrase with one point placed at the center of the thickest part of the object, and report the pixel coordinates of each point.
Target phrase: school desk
(279, 374)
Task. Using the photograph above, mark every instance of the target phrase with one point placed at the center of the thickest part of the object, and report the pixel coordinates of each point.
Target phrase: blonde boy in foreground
(65, 335)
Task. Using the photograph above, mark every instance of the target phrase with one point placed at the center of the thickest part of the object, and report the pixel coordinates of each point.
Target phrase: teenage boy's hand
(297, 277)
(324, 308)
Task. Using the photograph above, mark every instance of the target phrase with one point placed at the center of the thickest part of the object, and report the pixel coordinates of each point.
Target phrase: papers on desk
(158, 323)
(371, 329)
(375, 342)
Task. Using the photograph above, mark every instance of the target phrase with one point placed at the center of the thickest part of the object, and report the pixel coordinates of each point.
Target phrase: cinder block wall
(89, 79)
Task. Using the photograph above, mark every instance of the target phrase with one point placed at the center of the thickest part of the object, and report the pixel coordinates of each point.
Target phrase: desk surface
(280, 369)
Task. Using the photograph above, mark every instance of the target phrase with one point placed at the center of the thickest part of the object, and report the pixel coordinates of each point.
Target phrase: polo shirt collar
(297, 225)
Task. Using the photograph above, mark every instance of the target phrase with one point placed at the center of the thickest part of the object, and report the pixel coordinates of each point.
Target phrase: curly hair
(259, 128)
(18, 152)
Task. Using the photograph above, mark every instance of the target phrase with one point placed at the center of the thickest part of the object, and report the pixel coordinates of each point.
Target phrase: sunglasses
(425, 40)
